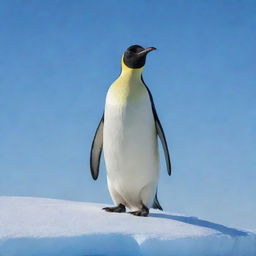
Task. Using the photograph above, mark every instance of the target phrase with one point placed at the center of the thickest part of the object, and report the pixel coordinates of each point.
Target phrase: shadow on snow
(201, 223)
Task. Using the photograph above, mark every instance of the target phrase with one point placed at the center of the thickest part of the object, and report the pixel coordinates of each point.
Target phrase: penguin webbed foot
(143, 212)
(119, 208)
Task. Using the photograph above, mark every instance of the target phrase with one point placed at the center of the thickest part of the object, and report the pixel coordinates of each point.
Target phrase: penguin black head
(135, 56)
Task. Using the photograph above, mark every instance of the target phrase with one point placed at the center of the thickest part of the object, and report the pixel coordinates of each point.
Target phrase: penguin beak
(147, 50)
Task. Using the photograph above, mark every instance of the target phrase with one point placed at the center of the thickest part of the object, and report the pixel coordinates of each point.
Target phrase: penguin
(128, 136)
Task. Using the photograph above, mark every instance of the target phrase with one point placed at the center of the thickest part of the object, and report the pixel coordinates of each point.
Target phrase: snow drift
(49, 227)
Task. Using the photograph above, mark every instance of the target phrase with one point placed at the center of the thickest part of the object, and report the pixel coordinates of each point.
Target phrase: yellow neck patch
(128, 86)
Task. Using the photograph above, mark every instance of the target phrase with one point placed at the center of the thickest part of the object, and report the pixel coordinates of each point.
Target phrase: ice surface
(45, 227)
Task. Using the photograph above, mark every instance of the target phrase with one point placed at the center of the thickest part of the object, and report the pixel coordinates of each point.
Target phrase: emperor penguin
(128, 135)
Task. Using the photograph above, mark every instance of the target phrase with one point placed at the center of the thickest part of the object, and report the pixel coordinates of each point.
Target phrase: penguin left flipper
(160, 132)
(96, 150)
(161, 135)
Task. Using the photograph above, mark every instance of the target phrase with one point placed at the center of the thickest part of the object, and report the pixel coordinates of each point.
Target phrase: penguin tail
(156, 204)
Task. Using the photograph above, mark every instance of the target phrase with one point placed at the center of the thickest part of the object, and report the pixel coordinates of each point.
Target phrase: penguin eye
(129, 54)
(134, 50)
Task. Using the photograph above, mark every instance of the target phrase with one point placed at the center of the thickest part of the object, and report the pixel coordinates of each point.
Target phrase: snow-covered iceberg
(46, 227)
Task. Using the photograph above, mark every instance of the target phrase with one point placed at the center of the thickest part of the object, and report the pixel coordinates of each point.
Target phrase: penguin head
(135, 56)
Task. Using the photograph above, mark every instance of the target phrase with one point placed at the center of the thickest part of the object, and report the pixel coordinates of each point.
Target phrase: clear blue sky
(57, 60)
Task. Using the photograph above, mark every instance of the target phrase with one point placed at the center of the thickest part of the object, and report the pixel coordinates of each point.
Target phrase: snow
(44, 227)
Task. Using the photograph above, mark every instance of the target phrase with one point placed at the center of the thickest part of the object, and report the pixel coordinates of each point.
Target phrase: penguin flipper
(161, 135)
(156, 204)
(96, 150)
(160, 132)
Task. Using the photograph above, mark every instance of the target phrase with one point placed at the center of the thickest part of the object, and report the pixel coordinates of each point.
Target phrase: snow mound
(49, 227)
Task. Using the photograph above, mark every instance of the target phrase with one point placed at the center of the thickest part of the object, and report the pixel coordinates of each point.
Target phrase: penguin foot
(143, 212)
(119, 208)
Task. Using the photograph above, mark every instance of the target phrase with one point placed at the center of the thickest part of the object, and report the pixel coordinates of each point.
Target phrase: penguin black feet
(119, 208)
(143, 212)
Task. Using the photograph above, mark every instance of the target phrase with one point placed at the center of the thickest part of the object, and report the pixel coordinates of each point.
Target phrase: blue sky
(57, 61)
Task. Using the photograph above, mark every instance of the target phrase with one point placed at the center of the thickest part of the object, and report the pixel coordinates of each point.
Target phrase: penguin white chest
(130, 147)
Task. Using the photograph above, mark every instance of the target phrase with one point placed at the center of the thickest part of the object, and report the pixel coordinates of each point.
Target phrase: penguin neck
(131, 73)
(128, 86)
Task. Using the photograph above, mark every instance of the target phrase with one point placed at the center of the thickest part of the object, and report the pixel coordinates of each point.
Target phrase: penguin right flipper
(96, 150)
